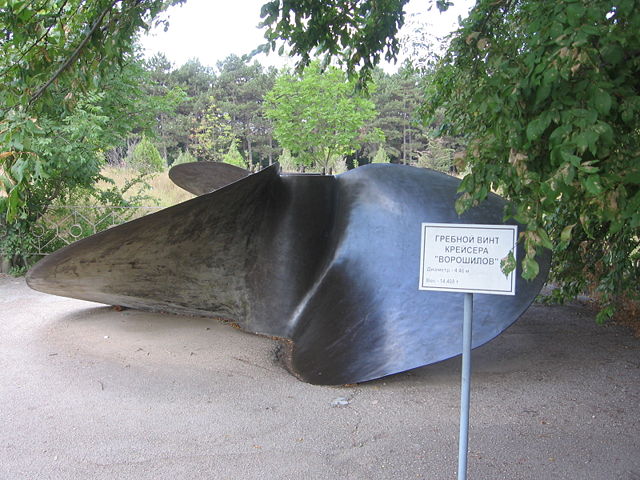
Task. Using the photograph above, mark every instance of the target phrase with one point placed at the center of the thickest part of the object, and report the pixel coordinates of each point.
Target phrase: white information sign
(466, 258)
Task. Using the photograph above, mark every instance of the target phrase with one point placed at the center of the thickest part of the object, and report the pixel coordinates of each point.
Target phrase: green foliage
(64, 45)
(183, 95)
(397, 98)
(16, 245)
(381, 156)
(184, 157)
(359, 31)
(145, 157)
(551, 106)
(338, 165)
(233, 156)
(287, 162)
(214, 134)
(436, 156)
(320, 115)
(186, 92)
(240, 88)
(67, 95)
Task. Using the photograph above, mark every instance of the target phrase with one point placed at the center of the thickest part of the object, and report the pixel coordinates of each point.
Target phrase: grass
(162, 190)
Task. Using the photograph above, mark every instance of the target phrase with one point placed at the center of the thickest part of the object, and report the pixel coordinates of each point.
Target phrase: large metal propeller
(328, 264)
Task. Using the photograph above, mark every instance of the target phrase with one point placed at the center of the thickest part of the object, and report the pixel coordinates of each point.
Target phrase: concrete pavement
(87, 392)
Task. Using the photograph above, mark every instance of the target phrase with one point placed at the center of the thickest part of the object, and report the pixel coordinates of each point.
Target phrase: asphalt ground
(88, 392)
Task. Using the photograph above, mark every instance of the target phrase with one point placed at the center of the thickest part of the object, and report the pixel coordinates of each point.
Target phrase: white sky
(211, 30)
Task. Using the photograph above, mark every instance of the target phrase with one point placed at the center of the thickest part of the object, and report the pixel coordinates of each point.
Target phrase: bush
(146, 158)
(234, 157)
(437, 157)
(184, 157)
(381, 156)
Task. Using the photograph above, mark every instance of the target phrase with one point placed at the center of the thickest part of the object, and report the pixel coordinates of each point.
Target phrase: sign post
(467, 259)
(465, 388)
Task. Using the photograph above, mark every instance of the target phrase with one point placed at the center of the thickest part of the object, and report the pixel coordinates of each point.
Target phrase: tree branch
(73, 57)
(16, 64)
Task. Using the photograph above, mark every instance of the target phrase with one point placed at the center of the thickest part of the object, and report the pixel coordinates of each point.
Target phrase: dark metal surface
(329, 263)
(204, 177)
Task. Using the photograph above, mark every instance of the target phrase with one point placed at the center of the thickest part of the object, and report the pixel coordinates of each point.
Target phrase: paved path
(87, 392)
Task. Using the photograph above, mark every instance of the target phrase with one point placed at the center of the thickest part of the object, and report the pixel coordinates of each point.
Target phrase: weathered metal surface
(204, 177)
(329, 263)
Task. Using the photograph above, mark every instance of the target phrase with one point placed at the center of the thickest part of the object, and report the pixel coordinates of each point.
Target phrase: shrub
(184, 157)
(233, 156)
(146, 158)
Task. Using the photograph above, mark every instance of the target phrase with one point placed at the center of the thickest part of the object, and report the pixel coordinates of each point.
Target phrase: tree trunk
(161, 120)
(404, 144)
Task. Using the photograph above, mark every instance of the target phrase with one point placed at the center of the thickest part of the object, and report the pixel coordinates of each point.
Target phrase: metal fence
(67, 223)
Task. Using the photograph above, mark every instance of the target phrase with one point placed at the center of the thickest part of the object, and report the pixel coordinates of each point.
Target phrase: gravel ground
(87, 392)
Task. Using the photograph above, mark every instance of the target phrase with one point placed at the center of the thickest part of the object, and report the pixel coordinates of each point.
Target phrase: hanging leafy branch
(65, 77)
(357, 32)
(554, 124)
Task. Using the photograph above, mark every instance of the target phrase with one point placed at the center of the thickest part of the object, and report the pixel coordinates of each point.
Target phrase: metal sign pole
(465, 391)
(467, 258)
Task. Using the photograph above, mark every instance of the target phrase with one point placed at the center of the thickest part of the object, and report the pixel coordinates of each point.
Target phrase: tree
(436, 156)
(196, 81)
(398, 98)
(380, 156)
(356, 31)
(166, 96)
(319, 115)
(145, 157)
(213, 136)
(184, 157)
(233, 156)
(60, 62)
(239, 90)
(550, 106)
(553, 120)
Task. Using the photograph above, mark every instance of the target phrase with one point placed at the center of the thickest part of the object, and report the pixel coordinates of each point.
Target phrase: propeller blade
(204, 177)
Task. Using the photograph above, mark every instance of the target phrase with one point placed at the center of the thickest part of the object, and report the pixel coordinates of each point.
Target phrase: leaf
(6, 182)
(536, 127)
(542, 93)
(545, 241)
(18, 170)
(586, 139)
(443, 5)
(569, 157)
(560, 133)
(592, 184)
(565, 236)
(40, 170)
(530, 268)
(633, 177)
(587, 167)
(463, 203)
(602, 102)
(508, 264)
(574, 14)
(605, 314)
(13, 202)
(615, 226)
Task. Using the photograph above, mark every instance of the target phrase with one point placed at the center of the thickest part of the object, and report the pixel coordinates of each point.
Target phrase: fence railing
(67, 223)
